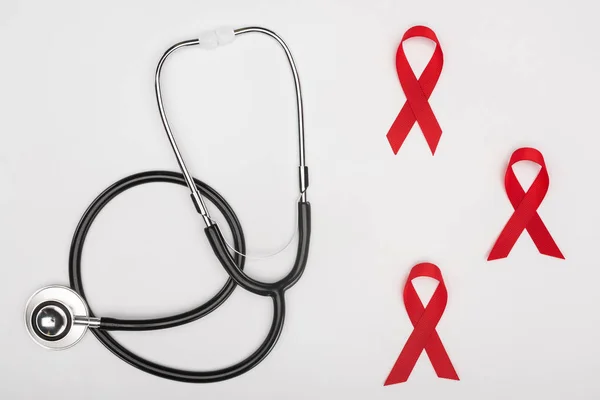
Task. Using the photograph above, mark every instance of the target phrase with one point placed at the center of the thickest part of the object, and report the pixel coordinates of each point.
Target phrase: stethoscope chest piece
(56, 317)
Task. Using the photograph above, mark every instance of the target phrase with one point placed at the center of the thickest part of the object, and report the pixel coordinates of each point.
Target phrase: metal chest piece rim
(53, 315)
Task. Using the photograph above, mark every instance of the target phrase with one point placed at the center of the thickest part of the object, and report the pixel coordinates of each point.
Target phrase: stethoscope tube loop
(204, 376)
(275, 291)
(217, 242)
(110, 193)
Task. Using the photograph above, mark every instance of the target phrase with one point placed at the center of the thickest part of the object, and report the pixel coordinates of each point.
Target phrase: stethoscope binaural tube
(212, 40)
(212, 231)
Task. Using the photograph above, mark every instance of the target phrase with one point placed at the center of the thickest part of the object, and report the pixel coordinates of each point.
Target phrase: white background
(78, 113)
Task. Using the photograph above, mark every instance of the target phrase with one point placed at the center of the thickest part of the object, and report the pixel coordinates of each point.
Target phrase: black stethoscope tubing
(233, 264)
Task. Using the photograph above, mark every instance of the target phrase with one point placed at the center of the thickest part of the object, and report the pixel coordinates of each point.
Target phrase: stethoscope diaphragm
(56, 317)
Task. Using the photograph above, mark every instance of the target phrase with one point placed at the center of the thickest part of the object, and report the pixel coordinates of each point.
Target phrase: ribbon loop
(525, 216)
(417, 92)
(424, 335)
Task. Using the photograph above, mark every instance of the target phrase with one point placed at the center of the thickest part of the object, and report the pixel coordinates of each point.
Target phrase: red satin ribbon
(417, 92)
(525, 205)
(424, 335)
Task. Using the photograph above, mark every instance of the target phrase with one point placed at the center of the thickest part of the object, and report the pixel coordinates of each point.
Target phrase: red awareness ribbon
(525, 204)
(417, 92)
(424, 336)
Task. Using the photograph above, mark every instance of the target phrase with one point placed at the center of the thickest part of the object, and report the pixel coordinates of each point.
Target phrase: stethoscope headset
(57, 317)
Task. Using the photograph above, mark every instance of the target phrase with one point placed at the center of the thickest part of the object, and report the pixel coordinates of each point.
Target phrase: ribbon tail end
(433, 139)
(449, 374)
(433, 148)
(452, 378)
(394, 147)
(556, 253)
(559, 255)
(392, 381)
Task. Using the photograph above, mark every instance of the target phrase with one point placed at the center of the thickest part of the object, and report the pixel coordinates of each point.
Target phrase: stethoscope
(57, 317)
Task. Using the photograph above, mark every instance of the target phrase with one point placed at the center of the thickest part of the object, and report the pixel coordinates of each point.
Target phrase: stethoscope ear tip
(51, 316)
